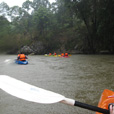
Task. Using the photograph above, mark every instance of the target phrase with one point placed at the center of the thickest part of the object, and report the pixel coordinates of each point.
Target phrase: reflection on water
(81, 77)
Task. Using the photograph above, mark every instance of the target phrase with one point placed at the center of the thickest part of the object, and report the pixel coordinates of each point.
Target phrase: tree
(40, 3)
(42, 20)
(4, 8)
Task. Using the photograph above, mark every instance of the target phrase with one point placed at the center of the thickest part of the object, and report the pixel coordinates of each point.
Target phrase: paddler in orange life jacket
(54, 54)
(62, 54)
(21, 57)
(50, 54)
(66, 54)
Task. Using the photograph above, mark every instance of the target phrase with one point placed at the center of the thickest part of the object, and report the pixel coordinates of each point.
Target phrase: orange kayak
(107, 97)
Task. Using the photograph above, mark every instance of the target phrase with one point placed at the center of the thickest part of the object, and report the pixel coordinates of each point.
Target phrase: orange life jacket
(62, 54)
(66, 54)
(55, 54)
(22, 57)
(49, 53)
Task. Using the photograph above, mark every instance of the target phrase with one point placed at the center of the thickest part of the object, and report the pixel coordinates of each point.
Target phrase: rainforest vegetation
(86, 26)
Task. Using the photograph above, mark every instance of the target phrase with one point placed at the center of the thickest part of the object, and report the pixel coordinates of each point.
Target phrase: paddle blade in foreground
(28, 92)
(31, 93)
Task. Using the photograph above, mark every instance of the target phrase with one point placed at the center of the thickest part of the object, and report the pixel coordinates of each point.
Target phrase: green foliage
(86, 25)
(41, 19)
(98, 19)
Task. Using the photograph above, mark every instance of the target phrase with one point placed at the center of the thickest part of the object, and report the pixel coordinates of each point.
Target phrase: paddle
(32, 93)
(7, 60)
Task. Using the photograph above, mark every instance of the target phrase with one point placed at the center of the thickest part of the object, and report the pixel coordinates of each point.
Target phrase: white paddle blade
(28, 92)
(7, 60)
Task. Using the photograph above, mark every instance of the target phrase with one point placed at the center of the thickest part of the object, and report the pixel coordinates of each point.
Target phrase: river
(80, 77)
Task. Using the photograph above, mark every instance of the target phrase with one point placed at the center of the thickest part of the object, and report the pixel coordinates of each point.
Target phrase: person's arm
(18, 57)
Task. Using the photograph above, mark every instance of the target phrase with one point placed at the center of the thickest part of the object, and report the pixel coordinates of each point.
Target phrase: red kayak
(64, 56)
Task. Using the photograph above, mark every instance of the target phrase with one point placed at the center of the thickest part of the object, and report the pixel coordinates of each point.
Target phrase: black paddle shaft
(90, 107)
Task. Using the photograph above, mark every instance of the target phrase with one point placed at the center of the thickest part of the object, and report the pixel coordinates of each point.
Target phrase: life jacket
(22, 57)
(66, 54)
(55, 54)
(49, 53)
(62, 54)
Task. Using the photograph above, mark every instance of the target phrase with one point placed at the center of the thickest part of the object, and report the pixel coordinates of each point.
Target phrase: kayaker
(62, 54)
(54, 53)
(21, 57)
(66, 54)
(111, 109)
(50, 54)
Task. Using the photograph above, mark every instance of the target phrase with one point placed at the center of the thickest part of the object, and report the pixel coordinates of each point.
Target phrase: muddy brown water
(80, 77)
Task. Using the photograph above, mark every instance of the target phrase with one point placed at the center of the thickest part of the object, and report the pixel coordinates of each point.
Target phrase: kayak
(107, 97)
(21, 62)
(64, 56)
(46, 55)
